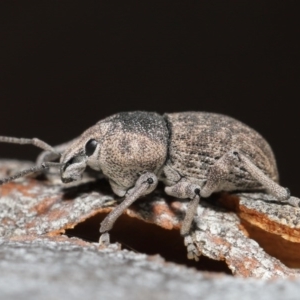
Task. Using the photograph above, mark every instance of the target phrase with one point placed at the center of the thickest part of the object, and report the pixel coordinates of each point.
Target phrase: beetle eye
(90, 147)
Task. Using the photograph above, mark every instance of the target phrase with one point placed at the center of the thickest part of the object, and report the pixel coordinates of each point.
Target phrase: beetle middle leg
(146, 183)
(186, 190)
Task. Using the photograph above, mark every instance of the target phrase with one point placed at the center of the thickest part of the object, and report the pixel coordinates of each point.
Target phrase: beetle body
(193, 153)
(173, 146)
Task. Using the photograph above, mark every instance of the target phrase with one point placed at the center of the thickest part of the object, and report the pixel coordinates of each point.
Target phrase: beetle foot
(104, 239)
(192, 250)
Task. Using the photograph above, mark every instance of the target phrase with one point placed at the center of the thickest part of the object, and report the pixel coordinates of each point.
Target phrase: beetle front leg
(47, 155)
(146, 183)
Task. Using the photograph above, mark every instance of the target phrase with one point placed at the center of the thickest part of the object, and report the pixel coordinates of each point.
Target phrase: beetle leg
(190, 214)
(184, 189)
(217, 174)
(47, 155)
(281, 193)
(222, 167)
(146, 183)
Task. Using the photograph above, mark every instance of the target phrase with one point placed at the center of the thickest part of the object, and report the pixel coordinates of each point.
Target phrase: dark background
(64, 65)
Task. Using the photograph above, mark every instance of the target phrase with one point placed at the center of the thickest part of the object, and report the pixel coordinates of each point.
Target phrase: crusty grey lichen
(281, 214)
(62, 268)
(218, 235)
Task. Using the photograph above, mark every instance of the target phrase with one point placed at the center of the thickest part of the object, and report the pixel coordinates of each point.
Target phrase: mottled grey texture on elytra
(199, 140)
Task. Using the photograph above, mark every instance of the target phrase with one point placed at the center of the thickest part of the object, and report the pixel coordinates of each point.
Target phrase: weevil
(194, 154)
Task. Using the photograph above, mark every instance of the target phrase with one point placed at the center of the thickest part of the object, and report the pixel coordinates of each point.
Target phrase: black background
(64, 65)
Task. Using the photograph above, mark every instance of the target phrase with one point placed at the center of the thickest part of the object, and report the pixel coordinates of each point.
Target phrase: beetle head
(81, 153)
(121, 146)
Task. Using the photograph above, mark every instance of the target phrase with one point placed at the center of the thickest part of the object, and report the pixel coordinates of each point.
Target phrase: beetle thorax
(137, 142)
(123, 159)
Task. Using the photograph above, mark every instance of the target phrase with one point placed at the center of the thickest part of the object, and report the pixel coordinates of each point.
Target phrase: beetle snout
(73, 169)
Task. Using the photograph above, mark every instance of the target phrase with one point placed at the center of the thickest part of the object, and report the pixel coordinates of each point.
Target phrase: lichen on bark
(223, 229)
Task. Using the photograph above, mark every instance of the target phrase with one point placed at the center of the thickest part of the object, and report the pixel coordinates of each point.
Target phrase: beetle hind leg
(282, 194)
(220, 170)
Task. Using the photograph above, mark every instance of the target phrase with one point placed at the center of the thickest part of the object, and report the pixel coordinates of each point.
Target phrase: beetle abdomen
(198, 140)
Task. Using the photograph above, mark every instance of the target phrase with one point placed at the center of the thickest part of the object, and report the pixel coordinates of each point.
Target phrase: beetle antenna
(43, 166)
(35, 142)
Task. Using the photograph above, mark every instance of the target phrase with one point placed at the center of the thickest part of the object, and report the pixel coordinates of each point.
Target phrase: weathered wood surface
(32, 209)
(44, 268)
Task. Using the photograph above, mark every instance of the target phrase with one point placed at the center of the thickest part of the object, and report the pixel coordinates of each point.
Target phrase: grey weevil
(194, 154)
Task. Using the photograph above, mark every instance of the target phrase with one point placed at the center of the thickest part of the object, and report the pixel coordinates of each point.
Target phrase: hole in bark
(142, 237)
(287, 252)
(275, 245)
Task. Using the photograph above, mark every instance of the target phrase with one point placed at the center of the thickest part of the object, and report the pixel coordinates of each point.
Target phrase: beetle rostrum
(194, 154)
